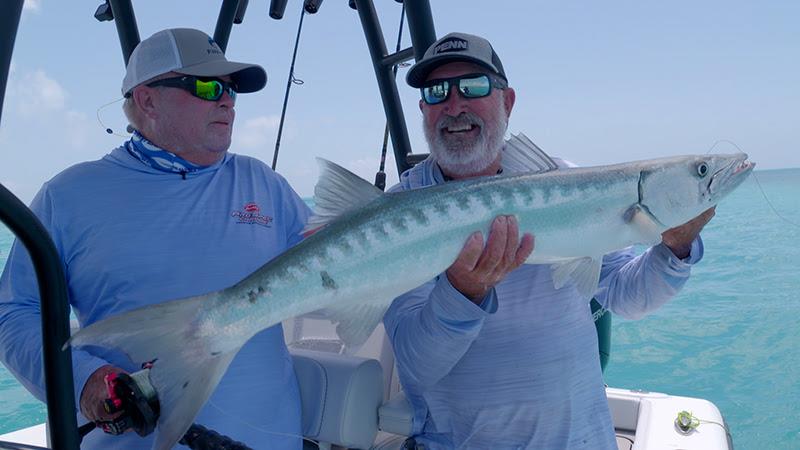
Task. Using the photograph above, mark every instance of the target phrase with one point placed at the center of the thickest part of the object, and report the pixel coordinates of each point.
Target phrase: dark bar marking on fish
(344, 247)
(547, 193)
(419, 216)
(440, 207)
(525, 195)
(462, 202)
(400, 223)
(327, 281)
(253, 294)
(486, 199)
(216, 353)
(185, 385)
(287, 275)
(380, 229)
(507, 195)
(361, 235)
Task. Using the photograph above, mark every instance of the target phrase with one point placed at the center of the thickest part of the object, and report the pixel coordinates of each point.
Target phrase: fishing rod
(311, 7)
(380, 176)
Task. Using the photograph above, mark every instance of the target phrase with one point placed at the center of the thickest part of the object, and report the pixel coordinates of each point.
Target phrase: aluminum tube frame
(420, 26)
(387, 85)
(227, 15)
(127, 30)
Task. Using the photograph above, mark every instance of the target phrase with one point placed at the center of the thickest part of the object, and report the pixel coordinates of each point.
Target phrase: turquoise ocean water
(732, 336)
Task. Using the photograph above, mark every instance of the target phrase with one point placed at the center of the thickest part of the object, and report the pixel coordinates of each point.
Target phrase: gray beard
(462, 155)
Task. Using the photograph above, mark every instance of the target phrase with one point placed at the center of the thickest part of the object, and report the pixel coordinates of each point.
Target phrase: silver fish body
(370, 254)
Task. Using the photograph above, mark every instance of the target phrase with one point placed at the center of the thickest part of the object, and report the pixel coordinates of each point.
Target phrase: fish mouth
(730, 176)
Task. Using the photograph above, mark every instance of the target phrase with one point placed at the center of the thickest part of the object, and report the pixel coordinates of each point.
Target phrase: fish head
(675, 190)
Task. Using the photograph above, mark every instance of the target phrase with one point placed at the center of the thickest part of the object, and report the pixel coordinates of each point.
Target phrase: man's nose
(455, 101)
(226, 99)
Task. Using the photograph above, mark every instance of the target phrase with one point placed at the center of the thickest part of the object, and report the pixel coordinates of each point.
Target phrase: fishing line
(774, 210)
(725, 141)
(257, 428)
(103, 126)
(758, 183)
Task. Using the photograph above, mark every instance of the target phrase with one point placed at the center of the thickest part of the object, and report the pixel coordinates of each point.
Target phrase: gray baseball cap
(189, 52)
(455, 47)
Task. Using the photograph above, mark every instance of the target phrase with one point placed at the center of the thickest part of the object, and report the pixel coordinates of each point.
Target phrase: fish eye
(702, 169)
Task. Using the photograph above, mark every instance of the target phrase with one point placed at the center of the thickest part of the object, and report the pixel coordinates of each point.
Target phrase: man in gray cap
(490, 354)
(169, 214)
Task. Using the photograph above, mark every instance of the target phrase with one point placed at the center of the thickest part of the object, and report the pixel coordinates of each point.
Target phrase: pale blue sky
(597, 82)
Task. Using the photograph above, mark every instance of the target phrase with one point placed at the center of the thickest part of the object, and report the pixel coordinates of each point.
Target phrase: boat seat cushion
(340, 397)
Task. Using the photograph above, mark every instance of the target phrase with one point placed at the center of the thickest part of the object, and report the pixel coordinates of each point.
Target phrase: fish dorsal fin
(337, 191)
(584, 272)
(644, 225)
(522, 155)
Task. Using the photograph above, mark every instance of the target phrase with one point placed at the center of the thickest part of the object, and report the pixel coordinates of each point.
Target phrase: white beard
(466, 156)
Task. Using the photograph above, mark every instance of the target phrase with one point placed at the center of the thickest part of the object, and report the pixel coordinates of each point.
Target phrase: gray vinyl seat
(340, 398)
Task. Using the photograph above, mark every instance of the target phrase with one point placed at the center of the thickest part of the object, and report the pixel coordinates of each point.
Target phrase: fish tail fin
(184, 386)
(187, 360)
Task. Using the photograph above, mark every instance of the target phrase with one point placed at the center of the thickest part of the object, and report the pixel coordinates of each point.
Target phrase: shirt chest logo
(250, 214)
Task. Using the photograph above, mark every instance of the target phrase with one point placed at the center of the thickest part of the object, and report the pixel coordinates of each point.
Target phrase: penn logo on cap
(451, 45)
(214, 47)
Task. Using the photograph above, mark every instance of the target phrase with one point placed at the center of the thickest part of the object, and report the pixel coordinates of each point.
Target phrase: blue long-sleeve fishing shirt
(129, 236)
(522, 369)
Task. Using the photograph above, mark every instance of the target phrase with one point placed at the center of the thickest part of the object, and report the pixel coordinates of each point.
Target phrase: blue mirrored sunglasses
(474, 85)
(210, 89)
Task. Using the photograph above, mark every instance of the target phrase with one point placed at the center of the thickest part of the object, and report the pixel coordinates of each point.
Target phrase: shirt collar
(156, 157)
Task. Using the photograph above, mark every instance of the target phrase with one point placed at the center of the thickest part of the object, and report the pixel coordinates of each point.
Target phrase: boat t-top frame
(62, 423)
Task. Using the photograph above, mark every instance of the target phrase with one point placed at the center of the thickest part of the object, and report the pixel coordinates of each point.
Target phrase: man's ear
(420, 105)
(509, 97)
(145, 99)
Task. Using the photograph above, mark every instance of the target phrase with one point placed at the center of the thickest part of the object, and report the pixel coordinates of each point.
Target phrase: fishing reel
(138, 400)
(135, 397)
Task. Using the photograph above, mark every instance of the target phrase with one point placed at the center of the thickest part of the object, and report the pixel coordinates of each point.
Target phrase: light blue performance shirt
(130, 235)
(522, 370)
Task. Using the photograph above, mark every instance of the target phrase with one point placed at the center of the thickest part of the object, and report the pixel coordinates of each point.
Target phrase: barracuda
(377, 246)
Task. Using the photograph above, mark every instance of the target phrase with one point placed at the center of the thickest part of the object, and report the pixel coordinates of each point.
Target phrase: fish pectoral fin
(186, 365)
(354, 322)
(337, 191)
(644, 224)
(584, 272)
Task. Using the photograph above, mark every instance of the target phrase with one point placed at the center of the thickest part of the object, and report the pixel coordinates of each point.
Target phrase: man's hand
(477, 268)
(94, 394)
(679, 239)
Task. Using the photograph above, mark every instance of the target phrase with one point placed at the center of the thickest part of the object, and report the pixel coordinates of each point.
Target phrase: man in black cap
(169, 214)
(490, 354)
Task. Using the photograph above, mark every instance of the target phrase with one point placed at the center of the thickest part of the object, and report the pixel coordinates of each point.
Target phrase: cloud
(32, 5)
(35, 93)
(256, 133)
